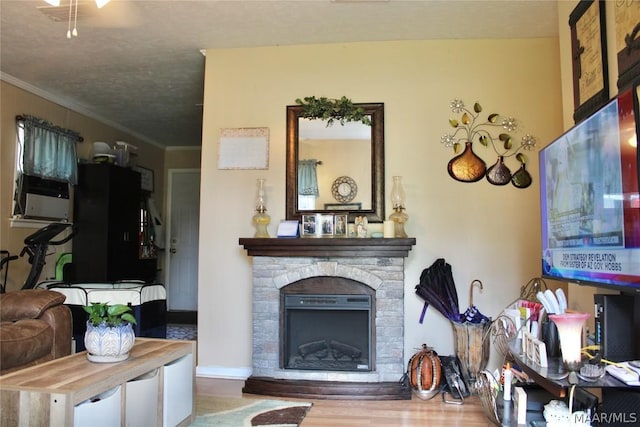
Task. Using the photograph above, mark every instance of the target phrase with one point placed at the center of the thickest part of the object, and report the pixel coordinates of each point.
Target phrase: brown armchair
(35, 327)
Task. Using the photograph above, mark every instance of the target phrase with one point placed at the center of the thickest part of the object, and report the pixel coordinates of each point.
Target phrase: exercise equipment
(5, 258)
(36, 246)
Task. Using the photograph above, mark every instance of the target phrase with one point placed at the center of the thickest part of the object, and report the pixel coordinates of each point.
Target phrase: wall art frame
(353, 206)
(146, 178)
(627, 43)
(589, 57)
(243, 148)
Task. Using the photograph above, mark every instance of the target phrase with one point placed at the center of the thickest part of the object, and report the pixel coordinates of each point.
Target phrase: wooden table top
(77, 375)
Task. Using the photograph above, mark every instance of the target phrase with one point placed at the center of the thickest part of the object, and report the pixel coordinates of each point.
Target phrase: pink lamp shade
(570, 331)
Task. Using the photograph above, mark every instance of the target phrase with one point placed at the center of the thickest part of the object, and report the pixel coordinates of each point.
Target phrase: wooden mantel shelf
(328, 247)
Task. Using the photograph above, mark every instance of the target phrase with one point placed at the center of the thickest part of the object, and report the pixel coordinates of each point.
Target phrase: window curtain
(307, 178)
(49, 151)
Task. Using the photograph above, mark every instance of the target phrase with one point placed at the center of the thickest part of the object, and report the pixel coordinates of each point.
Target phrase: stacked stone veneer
(384, 275)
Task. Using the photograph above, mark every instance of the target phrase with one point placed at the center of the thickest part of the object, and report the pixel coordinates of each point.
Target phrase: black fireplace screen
(327, 332)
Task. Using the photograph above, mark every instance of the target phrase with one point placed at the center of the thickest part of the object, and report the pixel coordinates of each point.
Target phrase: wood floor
(393, 413)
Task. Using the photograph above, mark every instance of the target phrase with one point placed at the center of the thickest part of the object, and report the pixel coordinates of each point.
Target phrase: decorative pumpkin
(424, 371)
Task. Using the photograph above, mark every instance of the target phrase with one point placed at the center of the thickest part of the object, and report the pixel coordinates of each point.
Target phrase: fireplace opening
(329, 332)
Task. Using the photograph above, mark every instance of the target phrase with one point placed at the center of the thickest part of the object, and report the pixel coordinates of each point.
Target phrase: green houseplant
(109, 335)
(343, 110)
(111, 315)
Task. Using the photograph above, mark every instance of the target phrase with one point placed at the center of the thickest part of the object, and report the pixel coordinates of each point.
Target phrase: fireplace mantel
(377, 263)
(328, 247)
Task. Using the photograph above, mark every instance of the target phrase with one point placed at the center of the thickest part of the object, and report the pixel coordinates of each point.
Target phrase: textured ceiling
(137, 66)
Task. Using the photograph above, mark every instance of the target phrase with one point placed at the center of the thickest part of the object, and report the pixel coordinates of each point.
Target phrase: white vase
(108, 344)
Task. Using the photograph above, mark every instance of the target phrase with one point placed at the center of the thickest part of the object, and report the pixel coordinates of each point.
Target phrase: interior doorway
(181, 263)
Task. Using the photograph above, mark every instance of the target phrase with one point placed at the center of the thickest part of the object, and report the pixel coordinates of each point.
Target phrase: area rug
(249, 412)
(177, 331)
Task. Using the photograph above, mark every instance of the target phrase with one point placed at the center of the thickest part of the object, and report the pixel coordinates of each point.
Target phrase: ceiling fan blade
(114, 14)
(117, 14)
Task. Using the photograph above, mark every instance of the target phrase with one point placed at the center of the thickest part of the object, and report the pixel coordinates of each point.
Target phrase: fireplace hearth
(328, 317)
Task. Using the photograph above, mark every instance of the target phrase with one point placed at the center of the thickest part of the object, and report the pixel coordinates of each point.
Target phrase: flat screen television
(590, 206)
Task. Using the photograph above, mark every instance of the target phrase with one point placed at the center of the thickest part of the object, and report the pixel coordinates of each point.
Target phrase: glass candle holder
(261, 219)
(397, 193)
(397, 199)
(570, 331)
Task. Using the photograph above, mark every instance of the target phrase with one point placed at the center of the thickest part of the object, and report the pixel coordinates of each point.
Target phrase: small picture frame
(310, 226)
(326, 224)
(540, 356)
(340, 225)
(528, 345)
(288, 228)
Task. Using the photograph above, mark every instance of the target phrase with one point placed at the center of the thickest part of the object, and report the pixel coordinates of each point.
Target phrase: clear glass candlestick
(570, 331)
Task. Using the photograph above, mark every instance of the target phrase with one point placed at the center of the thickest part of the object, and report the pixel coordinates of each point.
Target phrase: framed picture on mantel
(589, 58)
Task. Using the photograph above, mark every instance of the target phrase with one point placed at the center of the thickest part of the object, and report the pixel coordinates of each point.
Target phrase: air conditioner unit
(40, 198)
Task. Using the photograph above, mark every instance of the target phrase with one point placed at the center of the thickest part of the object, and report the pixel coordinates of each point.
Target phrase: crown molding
(74, 106)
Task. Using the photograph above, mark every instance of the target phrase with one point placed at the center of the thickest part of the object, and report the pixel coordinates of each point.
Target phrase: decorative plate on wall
(344, 189)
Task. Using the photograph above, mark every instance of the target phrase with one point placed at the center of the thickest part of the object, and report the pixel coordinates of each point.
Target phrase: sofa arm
(28, 304)
(59, 319)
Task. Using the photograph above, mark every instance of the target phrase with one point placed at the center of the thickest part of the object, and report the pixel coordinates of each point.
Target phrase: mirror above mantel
(347, 160)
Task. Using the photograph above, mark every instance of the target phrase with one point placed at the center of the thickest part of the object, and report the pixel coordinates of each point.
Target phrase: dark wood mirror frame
(376, 213)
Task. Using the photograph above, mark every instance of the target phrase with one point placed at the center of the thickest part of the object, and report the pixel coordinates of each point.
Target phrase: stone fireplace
(287, 273)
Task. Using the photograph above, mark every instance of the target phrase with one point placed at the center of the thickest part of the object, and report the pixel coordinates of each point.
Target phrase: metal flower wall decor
(495, 133)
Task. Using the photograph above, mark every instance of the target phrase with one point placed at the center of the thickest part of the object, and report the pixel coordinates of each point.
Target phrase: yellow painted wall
(485, 232)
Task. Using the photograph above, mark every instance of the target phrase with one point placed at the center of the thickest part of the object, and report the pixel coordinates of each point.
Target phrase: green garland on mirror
(329, 109)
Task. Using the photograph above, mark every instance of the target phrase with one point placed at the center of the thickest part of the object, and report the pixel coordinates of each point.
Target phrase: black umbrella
(438, 289)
